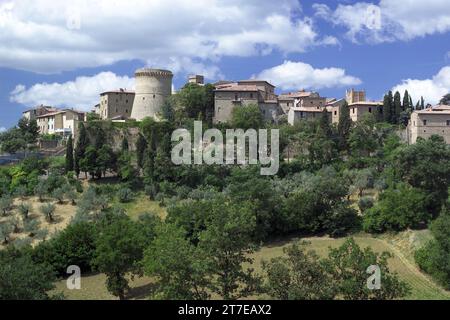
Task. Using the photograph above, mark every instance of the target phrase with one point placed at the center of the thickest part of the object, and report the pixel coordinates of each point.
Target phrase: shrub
(125, 195)
(365, 203)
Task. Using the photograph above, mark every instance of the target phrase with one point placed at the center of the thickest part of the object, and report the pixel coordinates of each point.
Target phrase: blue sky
(65, 55)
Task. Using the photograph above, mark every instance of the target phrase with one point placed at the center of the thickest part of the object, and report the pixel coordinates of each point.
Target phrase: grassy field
(142, 204)
(422, 286)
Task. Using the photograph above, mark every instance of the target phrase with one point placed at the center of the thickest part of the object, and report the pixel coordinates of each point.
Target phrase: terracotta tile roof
(256, 80)
(307, 109)
(293, 95)
(234, 87)
(118, 91)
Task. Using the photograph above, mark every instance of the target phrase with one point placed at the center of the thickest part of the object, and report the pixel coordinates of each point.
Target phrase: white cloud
(50, 36)
(299, 75)
(431, 89)
(2, 129)
(390, 20)
(82, 93)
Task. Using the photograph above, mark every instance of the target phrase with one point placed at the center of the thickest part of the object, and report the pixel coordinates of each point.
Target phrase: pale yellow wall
(436, 123)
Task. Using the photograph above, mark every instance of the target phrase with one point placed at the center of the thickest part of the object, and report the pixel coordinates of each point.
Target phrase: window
(126, 101)
(448, 122)
(424, 122)
(251, 95)
(143, 98)
(301, 114)
(370, 110)
(154, 96)
(288, 104)
(335, 113)
(353, 110)
(235, 96)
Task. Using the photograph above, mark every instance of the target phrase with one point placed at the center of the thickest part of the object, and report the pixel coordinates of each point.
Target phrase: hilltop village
(105, 190)
(154, 87)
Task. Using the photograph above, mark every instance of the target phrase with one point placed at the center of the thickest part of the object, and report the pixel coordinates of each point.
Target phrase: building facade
(33, 113)
(116, 104)
(230, 95)
(62, 122)
(428, 122)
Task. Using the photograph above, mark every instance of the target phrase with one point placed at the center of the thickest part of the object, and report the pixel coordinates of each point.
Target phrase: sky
(65, 53)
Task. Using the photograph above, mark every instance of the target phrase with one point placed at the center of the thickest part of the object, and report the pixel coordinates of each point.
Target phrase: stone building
(197, 79)
(359, 109)
(33, 113)
(334, 106)
(116, 105)
(302, 99)
(296, 114)
(62, 122)
(153, 87)
(427, 122)
(230, 95)
(353, 96)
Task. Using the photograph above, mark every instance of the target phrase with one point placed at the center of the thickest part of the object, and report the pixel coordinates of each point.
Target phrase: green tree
(141, 145)
(397, 107)
(119, 249)
(299, 275)
(179, 266)
(6, 228)
(347, 267)
(125, 147)
(388, 108)
(106, 160)
(80, 148)
(406, 101)
(247, 117)
(324, 123)
(445, 99)
(397, 209)
(58, 194)
(24, 209)
(41, 189)
(434, 257)
(23, 279)
(426, 166)
(69, 155)
(75, 245)
(48, 211)
(344, 125)
(6, 203)
(228, 244)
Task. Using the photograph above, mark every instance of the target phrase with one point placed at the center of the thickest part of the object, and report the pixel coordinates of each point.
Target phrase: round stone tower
(153, 87)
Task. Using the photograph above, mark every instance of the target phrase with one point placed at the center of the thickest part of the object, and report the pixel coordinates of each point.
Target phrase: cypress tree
(69, 155)
(397, 107)
(81, 145)
(422, 103)
(325, 123)
(141, 145)
(344, 124)
(406, 100)
(125, 146)
(387, 107)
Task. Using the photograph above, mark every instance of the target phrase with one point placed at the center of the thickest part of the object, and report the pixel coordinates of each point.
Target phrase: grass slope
(93, 286)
